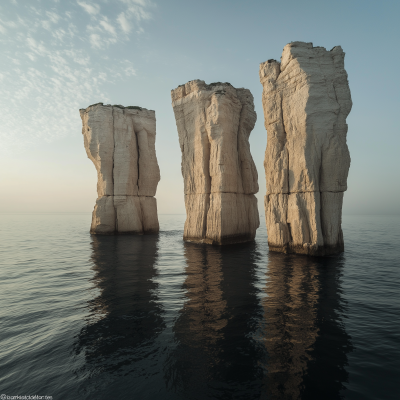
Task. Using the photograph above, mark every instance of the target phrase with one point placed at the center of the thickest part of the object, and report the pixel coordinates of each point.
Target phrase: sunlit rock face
(121, 143)
(306, 99)
(220, 179)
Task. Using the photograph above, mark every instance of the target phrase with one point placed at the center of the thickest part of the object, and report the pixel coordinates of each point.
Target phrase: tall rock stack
(214, 124)
(121, 143)
(306, 100)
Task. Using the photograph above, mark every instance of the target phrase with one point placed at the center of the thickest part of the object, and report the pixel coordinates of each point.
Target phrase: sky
(60, 56)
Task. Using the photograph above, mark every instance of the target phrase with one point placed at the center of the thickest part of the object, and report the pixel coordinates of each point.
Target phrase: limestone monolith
(220, 179)
(120, 141)
(306, 99)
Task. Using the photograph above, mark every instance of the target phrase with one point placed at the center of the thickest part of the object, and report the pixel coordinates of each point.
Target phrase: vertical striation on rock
(120, 141)
(220, 179)
(306, 99)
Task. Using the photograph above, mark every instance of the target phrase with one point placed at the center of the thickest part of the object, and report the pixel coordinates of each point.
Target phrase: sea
(153, 317)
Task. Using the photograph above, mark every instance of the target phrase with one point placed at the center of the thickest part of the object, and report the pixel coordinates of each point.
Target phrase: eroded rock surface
(121, 143)
(306, 100)
(214, 124)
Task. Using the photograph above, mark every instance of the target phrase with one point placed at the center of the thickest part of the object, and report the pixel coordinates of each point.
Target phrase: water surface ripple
(152, 317)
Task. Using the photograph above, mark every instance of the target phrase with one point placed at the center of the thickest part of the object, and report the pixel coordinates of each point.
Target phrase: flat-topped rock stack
(121, 143)
(220, 179)
(306, 100)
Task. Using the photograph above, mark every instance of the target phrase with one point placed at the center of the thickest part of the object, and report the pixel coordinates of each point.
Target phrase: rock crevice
(306, 99)
(120, 141)
(220, 179)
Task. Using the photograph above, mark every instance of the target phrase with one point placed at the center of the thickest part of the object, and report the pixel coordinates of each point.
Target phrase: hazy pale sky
(59, 56)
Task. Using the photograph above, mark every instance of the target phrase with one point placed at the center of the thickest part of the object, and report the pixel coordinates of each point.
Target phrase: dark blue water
(151, 317)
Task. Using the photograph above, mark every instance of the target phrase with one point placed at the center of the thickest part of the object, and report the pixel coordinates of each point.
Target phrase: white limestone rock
(306, 99)
(97, 130)
(220, 179)
(121, 143)
(128, 214)
(103, 217)
(126, 155)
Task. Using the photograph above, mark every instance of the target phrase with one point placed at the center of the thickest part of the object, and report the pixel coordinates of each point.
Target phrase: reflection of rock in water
(199, 324)
(125, 317)
(305, 337)
(216, 352)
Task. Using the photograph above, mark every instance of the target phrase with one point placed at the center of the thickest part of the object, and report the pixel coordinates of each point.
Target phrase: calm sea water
(152, 317)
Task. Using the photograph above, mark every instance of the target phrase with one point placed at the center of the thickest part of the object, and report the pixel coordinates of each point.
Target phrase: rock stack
(121, 143)
(306, 100)
(220, 179)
